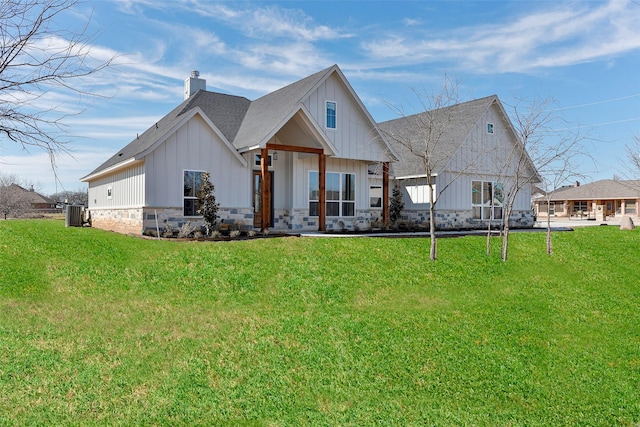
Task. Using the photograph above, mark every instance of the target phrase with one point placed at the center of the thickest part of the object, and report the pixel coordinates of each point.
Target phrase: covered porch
(283, 195)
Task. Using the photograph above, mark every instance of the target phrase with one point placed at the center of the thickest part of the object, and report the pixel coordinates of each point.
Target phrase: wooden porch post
(322, 202)
(385, 193)
(266, 189)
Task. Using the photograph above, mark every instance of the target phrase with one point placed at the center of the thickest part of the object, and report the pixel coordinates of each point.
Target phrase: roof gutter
(424, 175)
(112, 169)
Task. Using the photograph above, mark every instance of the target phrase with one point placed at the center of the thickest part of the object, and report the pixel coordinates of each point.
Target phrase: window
(331, 115)
(486, 199)
(490, 128)
(192, 188)
(258, 157)
(314, 193)
(348, 194)
(419, 194)
(580, 205)
(630, 207)
(375, 196)
(109, 193)
(340, 191)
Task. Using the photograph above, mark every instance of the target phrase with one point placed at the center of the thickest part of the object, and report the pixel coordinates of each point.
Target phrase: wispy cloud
(36, 168)
(275, 21)
(411, 22)
(565, 35)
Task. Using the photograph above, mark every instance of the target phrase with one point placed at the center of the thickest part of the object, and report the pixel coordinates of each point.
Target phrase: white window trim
(256, 160)
(376, 186)
(491, 206)
(326, 117)
(491, 126)
(188, 197)
(109, 193)
(340, 200)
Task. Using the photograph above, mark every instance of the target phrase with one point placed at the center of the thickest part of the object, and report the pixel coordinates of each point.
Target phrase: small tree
(633, 157)
(12, 200)
(544, 156)
(396, 204)
(78, 197)
(208, 205)
(424, 140)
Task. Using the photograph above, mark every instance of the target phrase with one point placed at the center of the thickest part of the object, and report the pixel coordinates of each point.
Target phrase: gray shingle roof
(30, 196)
(599, 190)
(267, 113)
(446, 128)
(243, 122)
(225, 111)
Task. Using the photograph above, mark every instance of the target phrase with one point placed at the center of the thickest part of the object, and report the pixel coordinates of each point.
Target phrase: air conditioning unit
(73, 216)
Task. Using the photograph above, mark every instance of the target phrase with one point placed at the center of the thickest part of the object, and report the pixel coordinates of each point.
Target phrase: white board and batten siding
(195, 147)
(482, 152)
(483, 156)
(354, 136)
(121, 190)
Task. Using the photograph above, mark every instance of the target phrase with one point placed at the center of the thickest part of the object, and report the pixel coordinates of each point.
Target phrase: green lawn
(105, 329)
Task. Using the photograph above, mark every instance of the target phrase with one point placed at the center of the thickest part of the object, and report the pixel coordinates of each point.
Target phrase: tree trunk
(489, 239)
(505, 243)
(432, 232)
(549, 244)
(505, 237)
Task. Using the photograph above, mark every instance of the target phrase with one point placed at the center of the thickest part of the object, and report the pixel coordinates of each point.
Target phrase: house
(475, 158)
(294, 159)
(16, 201)
(597, 200)
(308, 156)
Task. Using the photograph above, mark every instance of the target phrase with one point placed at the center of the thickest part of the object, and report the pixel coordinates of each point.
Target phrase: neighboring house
(475, 165)
(294, 159)
(598, 200)
(16, 201)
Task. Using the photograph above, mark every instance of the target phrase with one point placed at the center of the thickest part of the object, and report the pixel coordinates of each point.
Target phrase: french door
(257, 199)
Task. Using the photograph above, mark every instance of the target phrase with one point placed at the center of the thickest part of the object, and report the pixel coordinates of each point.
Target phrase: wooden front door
(257, 199)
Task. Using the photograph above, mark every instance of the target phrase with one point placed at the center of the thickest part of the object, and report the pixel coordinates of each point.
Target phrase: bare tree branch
(633, 157)
(12, 200)
(553, 154)
(36, 58)
(421, 138)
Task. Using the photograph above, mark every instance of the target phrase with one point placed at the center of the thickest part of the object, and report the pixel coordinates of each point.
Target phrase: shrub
(396, 206)
(208, 205)
(168, 229)
(234, 234)
(150, 232)
(186, 230)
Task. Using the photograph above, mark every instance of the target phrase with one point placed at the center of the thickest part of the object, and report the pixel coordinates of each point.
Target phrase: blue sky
(584, 54)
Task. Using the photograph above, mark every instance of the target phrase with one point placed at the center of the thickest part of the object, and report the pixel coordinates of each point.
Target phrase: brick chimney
(194, 84)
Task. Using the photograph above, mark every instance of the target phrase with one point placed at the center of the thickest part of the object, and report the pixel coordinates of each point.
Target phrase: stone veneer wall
(463, 220)
(119, 220)
(299, 220)
(136, 220)
(176, 219)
